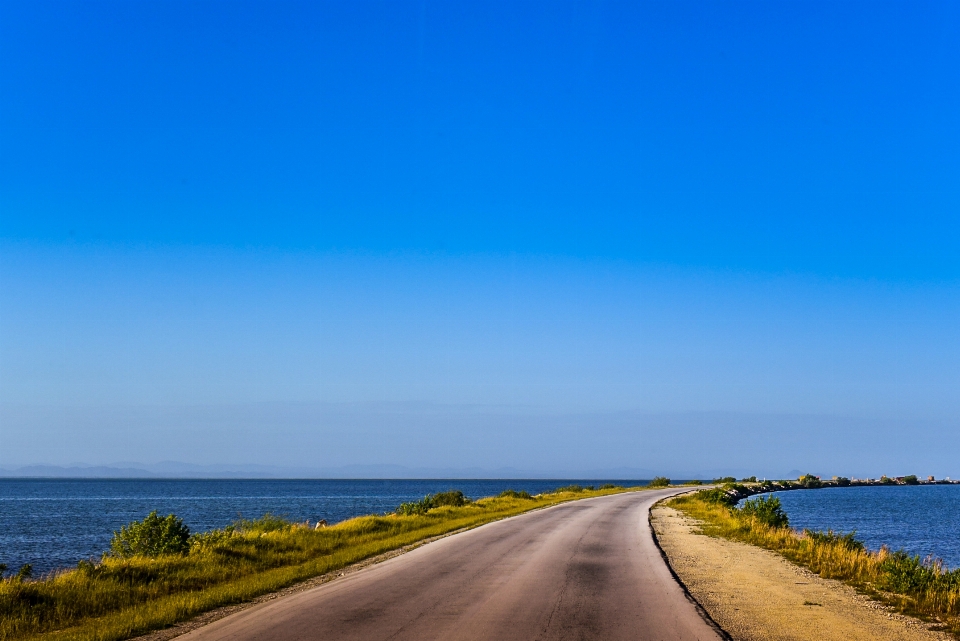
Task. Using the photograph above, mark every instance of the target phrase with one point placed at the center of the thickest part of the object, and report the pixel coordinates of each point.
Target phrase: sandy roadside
(756, 595)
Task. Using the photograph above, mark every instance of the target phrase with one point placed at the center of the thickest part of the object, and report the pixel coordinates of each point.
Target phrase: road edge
(676, 577)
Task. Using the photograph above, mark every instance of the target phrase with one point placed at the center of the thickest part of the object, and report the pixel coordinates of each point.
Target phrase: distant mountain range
(174, 469)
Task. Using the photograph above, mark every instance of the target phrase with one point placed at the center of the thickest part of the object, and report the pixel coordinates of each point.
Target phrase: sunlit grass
(122, 597)
(918, 587)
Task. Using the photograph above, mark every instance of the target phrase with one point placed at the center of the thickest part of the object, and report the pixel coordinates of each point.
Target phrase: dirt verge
(757, 595)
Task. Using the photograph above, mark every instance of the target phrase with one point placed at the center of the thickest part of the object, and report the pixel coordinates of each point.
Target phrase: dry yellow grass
(911, 585)
(122, 598)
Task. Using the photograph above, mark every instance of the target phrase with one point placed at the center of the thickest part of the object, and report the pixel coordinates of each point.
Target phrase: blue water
(53, 523)
(921, 519)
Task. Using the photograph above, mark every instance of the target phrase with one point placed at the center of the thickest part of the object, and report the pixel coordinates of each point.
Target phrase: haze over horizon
(681, 237)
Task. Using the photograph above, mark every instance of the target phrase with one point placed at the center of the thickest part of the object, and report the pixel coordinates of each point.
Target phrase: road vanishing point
(587, 569)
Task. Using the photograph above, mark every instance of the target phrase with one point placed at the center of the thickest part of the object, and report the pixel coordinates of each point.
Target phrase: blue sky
(362, 233)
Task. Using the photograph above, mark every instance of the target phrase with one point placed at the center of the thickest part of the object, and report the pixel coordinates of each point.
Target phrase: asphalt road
(582, 570)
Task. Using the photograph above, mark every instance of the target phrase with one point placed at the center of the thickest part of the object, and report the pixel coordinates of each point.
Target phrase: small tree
(660, 481)
(152, 536)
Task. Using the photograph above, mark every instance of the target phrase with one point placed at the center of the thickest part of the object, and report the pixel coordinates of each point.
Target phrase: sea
(924, 520)
(53, 523)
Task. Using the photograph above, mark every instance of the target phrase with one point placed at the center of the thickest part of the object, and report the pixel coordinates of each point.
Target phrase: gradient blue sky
(684, 237)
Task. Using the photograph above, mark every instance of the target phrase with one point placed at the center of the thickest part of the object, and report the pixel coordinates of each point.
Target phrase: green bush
(766, 509)
(716, 495)
(513, 494)
(810, 481)
(153, 536)
(611, 486)
(694, 482)
(660, 481)
(570, 488)
(727, 495)
(911, 480)
(725, 479)
(749, 479)
(453, 498)
(904, 573)
(415, 507)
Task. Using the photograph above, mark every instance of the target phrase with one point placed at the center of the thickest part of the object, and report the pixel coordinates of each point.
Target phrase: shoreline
(240, 565)
(755, 594)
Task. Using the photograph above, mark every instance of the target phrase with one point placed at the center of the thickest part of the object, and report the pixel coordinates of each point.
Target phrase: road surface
(582, 570)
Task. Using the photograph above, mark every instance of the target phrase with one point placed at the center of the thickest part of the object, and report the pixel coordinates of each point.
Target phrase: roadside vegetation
(157, 574)
(914, 586)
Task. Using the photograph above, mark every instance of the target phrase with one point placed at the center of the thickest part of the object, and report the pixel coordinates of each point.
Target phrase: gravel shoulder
(757, 595)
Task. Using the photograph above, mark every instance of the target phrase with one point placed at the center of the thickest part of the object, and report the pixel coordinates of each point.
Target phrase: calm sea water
(53, 523)
(921, 519)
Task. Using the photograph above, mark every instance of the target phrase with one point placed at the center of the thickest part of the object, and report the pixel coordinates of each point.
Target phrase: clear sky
(683, 237)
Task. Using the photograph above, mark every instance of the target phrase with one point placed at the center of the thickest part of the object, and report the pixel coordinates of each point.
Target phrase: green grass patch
(152, 581)
(914, 586)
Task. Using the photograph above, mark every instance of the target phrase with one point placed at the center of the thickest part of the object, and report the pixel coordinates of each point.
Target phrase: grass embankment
(126, 595)
(921, 588)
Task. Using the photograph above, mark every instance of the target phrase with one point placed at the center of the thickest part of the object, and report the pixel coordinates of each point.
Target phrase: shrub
(842, 481)
(809, 481)
(25, 572)
(694, 482)
(569, 488)
(727, 495)
(454, 498)
(610, 486)
(717, 496)
(904, 573)
(911, 480)
(513, 494)
(749, 479)
(660, 481)
(766, 509)
(153, 536)
(725, 479)
(415, 507)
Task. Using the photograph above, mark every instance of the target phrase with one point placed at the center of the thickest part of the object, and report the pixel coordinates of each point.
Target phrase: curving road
(582, 570)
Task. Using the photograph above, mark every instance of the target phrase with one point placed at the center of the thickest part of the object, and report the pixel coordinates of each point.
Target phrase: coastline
(757, 595)
(228, 567)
